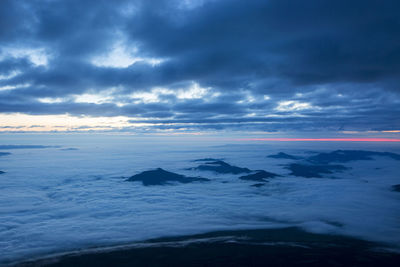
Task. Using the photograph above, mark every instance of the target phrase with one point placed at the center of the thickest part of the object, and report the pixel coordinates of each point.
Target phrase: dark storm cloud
(304, 41)
(10, 65)
(341, 58)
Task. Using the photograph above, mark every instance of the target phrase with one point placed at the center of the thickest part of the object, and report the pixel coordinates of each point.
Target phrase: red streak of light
(323, 139)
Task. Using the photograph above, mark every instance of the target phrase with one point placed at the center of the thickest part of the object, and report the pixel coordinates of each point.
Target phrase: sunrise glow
(323, 139)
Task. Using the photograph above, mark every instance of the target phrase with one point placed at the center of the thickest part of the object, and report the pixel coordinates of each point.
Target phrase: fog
(69, 192)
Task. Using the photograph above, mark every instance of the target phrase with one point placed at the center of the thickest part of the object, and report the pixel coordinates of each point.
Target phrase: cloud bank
(273, 65)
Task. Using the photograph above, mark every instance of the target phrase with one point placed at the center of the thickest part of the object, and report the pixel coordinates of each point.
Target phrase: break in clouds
(271, 65)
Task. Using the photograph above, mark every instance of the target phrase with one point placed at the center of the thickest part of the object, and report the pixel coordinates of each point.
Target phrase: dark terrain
(343, 156)
(270, 247)
(282, 155)
(259, 176)
(313, 171)
(163, 177)
(220, 166)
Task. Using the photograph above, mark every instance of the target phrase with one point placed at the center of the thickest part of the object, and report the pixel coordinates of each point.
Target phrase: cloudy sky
(200, 65)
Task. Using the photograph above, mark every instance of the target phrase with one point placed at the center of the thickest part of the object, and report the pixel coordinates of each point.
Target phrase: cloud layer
(274, 65)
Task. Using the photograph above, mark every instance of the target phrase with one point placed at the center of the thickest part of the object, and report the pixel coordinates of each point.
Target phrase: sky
(198, 66)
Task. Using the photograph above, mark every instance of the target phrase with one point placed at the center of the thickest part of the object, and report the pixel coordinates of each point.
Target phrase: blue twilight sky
(200, 65)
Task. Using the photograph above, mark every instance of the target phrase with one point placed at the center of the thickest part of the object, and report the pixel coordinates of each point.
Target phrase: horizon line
(322, 139)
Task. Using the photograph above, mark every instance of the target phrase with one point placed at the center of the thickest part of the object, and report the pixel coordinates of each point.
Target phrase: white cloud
(250, 98)
(51, 100)
(122, 56)
(12, 87)
(9, 76)
(93, 98)
(151, 97)
(294, 105)
(38, 56)
(105, 96)
(194, 91)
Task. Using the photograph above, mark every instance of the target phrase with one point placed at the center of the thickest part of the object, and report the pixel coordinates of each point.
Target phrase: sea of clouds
(55, 199)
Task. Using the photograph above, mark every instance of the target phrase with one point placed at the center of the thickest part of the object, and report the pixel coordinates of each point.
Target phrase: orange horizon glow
(323, 139)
